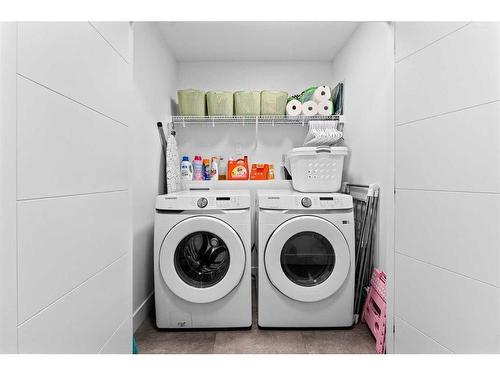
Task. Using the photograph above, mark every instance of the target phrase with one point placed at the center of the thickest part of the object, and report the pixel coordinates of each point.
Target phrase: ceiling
(256, 41)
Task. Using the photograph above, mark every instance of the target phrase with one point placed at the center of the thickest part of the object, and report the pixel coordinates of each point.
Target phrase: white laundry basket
(316, 169)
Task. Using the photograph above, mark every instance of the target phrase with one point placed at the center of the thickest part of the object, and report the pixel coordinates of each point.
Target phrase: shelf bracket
(256, 138)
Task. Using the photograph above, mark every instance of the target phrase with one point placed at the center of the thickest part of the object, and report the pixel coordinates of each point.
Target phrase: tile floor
(152, 340)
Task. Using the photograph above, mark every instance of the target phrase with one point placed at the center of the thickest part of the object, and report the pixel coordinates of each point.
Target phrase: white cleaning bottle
(214, 169)
(186, 169)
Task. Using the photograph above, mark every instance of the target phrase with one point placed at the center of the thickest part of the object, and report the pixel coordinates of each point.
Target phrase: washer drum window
(202, 259)
(307, 258)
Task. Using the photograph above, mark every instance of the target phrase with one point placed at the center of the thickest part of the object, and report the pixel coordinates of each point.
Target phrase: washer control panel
(226, 202)
(220, 202)
(204, 200)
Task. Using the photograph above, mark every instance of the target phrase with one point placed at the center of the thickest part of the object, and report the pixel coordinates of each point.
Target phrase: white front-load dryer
(202, 252)
(306, 259)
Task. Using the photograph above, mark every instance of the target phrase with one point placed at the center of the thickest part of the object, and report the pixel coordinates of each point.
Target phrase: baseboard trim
(143, 311)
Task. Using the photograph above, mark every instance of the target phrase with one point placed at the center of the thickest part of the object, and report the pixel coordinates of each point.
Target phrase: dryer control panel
(290, 200)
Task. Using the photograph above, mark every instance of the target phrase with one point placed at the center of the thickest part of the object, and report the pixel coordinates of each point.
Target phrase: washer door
(307, 258)
(202, 259)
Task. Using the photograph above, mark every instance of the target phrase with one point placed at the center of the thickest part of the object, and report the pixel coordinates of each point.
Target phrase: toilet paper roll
(309, 108)
(325, 108)
(322, 93)
(294, 108)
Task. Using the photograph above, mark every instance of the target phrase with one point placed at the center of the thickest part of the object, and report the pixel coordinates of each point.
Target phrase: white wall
(154, 78)
(291, 76)
(71, 87)
(365, 64)
(447, 161)
(8, 253)
(270, 144)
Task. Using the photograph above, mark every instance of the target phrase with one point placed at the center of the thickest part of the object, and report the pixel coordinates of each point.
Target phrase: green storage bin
(191, 102)
(273, 102)
(247, 103)
(220, 103)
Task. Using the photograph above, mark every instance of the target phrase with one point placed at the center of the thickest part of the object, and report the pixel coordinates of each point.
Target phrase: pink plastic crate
(374, 310)
(378, 281)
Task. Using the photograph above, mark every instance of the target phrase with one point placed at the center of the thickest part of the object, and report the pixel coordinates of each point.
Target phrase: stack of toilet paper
(313, 101)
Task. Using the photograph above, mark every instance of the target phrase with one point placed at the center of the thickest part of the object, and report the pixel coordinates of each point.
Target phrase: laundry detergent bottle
(206, 169)
(237, 169)
(186, 169)
(197, 168)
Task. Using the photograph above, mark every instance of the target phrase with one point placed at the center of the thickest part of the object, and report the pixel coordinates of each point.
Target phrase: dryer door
(307, 258)
(202, 259)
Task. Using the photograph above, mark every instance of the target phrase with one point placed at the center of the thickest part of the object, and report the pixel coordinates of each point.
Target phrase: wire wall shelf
(185, 121)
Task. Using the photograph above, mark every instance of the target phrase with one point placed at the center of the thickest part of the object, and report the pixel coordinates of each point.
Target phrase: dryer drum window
(201, 259)
(307, 259)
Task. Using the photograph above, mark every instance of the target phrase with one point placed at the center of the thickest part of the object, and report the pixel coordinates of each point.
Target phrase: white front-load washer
(306, 259)
(202, 258)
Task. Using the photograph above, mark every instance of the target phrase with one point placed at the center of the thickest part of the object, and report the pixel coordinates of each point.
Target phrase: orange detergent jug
(237, 169)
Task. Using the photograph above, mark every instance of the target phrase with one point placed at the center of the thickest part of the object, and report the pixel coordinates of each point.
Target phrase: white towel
(173, 165)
